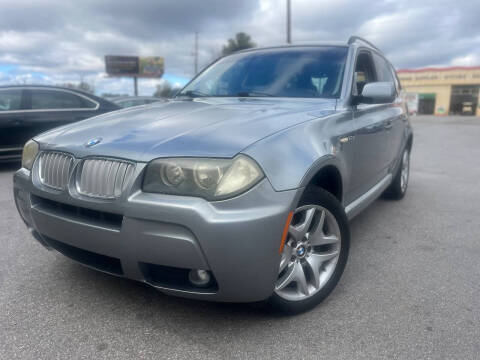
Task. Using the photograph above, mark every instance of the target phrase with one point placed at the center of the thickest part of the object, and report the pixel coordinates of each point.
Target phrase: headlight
(30, 151)
(212, 179)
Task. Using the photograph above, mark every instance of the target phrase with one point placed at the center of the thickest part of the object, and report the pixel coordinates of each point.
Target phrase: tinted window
(294, 72)
(54, 99)
(384, 72)
(10, 100)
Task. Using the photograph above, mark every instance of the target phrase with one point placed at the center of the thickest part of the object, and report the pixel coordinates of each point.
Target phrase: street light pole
(135, 85)
(289, 23)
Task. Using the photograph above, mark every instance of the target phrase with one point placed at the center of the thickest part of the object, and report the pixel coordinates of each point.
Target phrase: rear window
(55, 100)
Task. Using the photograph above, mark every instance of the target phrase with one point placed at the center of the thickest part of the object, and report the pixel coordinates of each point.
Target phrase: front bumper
(157, 238)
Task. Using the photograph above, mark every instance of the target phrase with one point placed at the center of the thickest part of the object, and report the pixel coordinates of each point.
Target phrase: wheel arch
(327, 175)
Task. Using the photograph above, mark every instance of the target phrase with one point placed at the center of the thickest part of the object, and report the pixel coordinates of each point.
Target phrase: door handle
(16, 122)
(388, 124)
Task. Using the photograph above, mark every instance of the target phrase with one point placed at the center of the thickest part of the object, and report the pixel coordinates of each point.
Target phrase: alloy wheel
(310, 254)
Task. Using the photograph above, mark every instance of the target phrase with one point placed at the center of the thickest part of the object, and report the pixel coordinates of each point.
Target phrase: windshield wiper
(254, 93)
(194, 94)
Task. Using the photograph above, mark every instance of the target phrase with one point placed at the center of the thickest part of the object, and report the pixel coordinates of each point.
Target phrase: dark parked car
(28, 110)
(129, 101)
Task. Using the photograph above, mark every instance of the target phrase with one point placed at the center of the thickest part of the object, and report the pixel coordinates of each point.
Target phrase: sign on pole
(121, 65)
(151, 67)
(134, 66)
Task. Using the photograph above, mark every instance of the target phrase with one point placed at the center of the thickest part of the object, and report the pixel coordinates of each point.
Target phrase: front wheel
(314, 254)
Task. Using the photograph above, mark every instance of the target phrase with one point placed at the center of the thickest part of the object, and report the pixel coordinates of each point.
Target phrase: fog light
(200, 278)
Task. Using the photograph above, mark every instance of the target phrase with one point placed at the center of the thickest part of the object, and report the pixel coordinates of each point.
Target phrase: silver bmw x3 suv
(240, 189)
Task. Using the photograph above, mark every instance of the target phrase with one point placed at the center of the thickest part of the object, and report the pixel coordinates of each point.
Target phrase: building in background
(444, 91)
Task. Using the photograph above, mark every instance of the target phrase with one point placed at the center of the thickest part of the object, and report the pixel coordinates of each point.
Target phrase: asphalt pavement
(411, 288)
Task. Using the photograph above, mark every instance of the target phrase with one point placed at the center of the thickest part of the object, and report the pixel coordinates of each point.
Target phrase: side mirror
(377, 93)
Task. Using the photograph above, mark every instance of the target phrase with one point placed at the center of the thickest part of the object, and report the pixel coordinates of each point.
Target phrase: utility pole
(289, 22)
(195, 53)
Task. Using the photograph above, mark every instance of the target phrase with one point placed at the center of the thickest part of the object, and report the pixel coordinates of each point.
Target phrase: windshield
(313, 72)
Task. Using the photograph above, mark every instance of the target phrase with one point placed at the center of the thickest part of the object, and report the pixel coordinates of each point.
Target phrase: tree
(240, 42)
(82, 85)
(86, 87)
(166, 90)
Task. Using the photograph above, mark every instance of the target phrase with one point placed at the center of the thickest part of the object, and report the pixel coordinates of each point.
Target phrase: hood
(208, 127)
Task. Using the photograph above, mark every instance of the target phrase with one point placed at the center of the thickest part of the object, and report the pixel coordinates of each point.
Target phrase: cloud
(467, 60)
(55, 40)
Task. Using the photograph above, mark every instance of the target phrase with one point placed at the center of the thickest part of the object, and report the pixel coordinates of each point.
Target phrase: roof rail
(354, 38)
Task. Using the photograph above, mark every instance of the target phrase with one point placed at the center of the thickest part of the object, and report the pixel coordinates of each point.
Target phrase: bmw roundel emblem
(93, 142)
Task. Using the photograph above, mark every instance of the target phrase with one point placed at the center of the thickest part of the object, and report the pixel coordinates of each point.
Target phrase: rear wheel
(315, 252)
(399, 185)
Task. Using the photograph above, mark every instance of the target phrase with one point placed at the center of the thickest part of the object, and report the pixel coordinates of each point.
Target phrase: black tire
(317, 196)
(395, 191)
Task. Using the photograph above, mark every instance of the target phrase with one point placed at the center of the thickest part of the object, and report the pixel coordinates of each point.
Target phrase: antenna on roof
(354, 38)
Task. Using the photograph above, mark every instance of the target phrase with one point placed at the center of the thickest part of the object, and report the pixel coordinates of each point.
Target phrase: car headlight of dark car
(30, 151)
(211, 179)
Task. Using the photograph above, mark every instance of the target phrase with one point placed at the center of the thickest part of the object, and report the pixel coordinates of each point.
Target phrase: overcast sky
(57, 41)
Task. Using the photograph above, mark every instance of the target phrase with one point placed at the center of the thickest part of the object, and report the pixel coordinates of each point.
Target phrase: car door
(398, 134)
(394, 113)
(50, 108)
(371, 162)
(12, 115)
